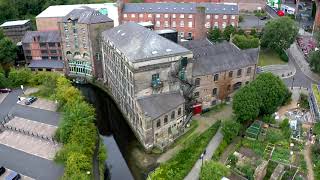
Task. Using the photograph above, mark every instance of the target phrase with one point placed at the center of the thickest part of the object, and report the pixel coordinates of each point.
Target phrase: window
(179, 111)
(224, 24)
(140, 15)
(149, 15)
(173, 15)
(208, 16)
(216, 16)
(181, 15)
(165, 120)
(52, 44)
(44, 57)
(239, 72)
(196, 94)
(197, 82)
(233, 17)
(181, 23)
(133, 15)
(216, 77)
(190, 16)
(174, 24)
(214, 102)
(53, 51)
(173, 114)
(43, 45)
(157, 23)
(230, 73)
(68, 53)
(190, 24)
(216, 25)
(166, 24)
(166, 15)
(54, 57)
(249, 71)
(158, 123)
(125, 15)
(157, 15)
(58, 44)
(214, 92)
(155, 77)
(44, 51)
(224, 16)
(207, 25)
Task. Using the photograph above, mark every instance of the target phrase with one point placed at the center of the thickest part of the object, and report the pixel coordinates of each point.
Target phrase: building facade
(220, 70)
(80, 32)
(314, 102)
(15, 30)
(191, 20)
(148, 76)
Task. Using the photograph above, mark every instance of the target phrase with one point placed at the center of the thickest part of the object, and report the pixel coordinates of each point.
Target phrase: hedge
(180, 165)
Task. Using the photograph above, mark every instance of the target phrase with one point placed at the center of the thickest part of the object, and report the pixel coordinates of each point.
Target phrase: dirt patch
(248, 152)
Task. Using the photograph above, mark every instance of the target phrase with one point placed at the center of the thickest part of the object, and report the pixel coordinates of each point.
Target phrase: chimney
(120, 5)
(200, 20)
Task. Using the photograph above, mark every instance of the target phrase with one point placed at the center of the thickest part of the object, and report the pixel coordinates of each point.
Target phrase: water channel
(126, 158)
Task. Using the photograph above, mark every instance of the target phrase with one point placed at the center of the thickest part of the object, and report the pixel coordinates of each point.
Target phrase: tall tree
(8, 53)
(314, 59)
(230, 129)
(214, 35)
(279, 33)
(228, 31)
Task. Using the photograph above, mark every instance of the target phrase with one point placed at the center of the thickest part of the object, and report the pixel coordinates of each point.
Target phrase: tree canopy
(279, 33)
(8, 52)
(212, 170)
(245, 41)
(214, 35)
(230, 129)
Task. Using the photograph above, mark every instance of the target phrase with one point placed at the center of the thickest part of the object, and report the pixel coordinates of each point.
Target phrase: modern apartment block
(149, 78)
(220, 69)
(191, 20)
(80, 32)
(15, 30)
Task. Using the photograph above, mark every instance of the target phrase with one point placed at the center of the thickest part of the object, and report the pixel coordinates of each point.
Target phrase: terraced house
(191, 20)
(80, 33)
(149, 77)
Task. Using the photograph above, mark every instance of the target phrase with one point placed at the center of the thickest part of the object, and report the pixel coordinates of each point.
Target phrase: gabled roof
(212, 58)
(138, 43)
(186, 8)
(86, 15)
(50, 64)
(159, 104)
(14, 23)
(45, 36)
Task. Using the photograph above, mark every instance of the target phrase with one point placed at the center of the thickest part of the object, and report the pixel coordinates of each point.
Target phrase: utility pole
(292, 83)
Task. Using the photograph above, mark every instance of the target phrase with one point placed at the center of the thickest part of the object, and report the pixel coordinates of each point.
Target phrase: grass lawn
(269, 57)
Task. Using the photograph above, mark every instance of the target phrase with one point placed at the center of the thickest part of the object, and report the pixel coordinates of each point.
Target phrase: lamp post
(292, 83)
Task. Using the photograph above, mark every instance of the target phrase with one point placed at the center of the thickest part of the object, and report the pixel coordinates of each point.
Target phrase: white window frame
(133, 15)
(125, 15)
(157, 15)
(181, 23)
(233, 17)
(149, 15)
(207, 25)
(208, 16)
(173, 15)
(216, 16)
(174, 24)
(216, 25)
(224, 25)
(225, 16)
(166, 15)
(182, 16)
(232, 24)
(140, 15)
(166, 24)
(158, 24)
(190, 24)
(190, 16)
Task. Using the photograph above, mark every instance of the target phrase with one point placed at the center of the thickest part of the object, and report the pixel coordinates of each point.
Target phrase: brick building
(148, 77)
(220, 69)
(80, 32)
(38, 46)
(191, 20)
(15, 30)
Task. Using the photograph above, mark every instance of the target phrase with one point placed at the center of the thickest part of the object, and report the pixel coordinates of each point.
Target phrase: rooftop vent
(182, 8)
(168, 50)
(154, 52)
(142, 8)
(123, 34)
(224, 9)
(150, 8)
(167, 8)
(174, 8)
(232, 9)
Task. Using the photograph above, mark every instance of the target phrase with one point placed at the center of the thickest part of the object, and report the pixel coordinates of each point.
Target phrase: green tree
(316, 130)
(8, 53)
(279, 33)
(230, 129)
(245, 42)
(228, 31)
(214, 35)
(212, 170)
(315, 61)
(285, 127)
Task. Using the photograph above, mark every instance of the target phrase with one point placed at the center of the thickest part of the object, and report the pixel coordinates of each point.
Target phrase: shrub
(245, 42)
(268, 119)
(19, 77)
(283, 56)
(212, 170)
(230, 129)
(222, 146)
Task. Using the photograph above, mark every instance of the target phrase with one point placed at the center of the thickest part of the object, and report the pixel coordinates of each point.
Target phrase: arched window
(237, 85)
(76, 54)
(197, 82)
(69, 53)
(216, 77)
(85, 55)
(239, 72)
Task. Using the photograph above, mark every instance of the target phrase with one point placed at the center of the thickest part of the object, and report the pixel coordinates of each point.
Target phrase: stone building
(191, 20)
(80, 32)
(15, 30)
(149, 77)
(220, 69)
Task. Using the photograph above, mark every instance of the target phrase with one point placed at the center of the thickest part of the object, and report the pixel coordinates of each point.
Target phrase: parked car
(263, 18)
(2, 170)
(5, 90)
(30, 100)
(13, 176)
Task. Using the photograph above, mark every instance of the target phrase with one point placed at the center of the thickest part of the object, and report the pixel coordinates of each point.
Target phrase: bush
(222, 146)
(245, 42)
(268, 119)
(230, 129)
(212, 170)
(19, 77)
(283, 56)
(180, 165)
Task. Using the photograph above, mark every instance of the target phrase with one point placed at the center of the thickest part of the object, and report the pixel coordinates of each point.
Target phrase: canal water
(126, 158)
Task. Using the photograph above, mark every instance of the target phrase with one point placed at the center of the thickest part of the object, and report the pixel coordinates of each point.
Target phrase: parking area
(2, 96)
(8, 171)
(40, 104)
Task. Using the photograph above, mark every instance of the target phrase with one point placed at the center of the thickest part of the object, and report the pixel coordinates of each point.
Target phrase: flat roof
(63, 10)
(14, 23)
(164, 31)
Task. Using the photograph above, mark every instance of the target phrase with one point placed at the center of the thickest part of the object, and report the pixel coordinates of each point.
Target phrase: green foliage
(215, 35)
(77, 166)
(279, 33)
(179, 166)
(314, 59)
(274, 135)
(222, 146)
(248, 171)
(212, 170)
(303, 101)
(3, 81)
(268, 118)
(316, 160)
(233, 160)
(19, 77)
(8, 52)
(228, 31)
(230, 129)
(245, 41)
(253, 33)
(240, 18)
(285, 128)
(316, 130)
(283, 55)
(257, 146)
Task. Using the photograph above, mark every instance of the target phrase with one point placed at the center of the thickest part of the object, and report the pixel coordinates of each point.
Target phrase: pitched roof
(158, 104)
(185, 8)
(211, 58)
(51, 64)
(86, 15)
(14, 23)
(47, 36)
(138, 43)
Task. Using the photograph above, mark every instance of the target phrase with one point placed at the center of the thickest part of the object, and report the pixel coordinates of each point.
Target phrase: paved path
(211, 148)
(307, 157)
(8, 103)
(281, 70)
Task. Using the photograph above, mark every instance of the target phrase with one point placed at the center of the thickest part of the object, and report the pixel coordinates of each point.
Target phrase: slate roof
(186, 8)
(86, 15)
(159, 104)
(50, 64)
(14, 23)
(138, 43)
(212, 58)
(48, 36)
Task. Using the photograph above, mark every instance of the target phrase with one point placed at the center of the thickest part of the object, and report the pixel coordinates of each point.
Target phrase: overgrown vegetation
(212, 170)
(245, 41)
(180, 165)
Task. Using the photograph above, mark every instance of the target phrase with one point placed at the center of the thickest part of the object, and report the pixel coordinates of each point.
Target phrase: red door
(197, 109)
